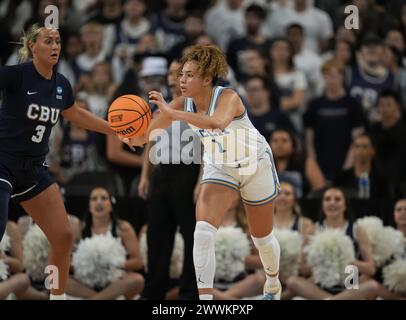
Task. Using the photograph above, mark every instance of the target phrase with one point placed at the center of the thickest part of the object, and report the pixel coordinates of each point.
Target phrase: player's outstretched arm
(86, 120)
(227, 108)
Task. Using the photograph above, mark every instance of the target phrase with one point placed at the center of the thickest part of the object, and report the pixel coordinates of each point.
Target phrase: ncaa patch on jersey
(59, 92)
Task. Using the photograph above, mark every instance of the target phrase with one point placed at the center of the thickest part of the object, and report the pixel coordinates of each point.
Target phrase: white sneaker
(272, 293)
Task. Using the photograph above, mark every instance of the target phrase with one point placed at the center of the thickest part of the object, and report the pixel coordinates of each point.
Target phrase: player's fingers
(156, 95)
(128, 142)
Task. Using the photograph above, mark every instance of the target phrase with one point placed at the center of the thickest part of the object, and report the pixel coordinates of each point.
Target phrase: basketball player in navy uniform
(34, 97)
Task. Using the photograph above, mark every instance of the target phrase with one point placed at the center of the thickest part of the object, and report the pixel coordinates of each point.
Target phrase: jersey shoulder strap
(213, 103)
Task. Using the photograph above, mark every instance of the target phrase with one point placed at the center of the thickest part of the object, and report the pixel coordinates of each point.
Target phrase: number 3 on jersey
(37, 137)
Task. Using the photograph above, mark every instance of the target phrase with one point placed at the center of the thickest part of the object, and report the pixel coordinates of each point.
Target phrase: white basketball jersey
(237, 144)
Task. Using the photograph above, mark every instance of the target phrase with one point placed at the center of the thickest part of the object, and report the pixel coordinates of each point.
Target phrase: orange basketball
(129, 116)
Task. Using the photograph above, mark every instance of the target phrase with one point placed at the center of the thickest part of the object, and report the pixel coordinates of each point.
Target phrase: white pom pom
(394, 276)
(176, 267)
(328, 254)
(176, 264)
(36, 251)
(5, 243)
(386, 242)
(96, 260)
(3, 270)
(232, 247)
(291, 244)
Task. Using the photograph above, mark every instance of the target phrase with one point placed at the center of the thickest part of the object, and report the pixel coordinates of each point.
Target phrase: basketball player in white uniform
(237, 159)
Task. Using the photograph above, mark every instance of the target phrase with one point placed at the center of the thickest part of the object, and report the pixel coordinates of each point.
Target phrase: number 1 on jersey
(37, 137)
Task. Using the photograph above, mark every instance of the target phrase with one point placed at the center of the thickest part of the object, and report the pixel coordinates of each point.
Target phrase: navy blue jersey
(333, 122)
(31, 107)
(366, 88)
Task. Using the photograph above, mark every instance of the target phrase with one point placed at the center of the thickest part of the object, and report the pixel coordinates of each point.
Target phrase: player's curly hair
(210, 61)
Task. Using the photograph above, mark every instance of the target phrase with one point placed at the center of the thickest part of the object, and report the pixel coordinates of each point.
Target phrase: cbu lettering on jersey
(236, 145)
(43, 113)
(31, 106)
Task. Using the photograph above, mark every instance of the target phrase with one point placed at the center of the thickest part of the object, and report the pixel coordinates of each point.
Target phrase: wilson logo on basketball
(126, 132)
(116, 118)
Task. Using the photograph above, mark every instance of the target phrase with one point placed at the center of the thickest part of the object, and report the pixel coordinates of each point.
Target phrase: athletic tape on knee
(269, 252)
(204, 257)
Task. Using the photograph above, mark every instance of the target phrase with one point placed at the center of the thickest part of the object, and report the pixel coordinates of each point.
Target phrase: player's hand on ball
(133, 142)
(157, 98)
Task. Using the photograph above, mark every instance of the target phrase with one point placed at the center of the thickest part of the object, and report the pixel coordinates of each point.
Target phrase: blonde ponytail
(31, 36)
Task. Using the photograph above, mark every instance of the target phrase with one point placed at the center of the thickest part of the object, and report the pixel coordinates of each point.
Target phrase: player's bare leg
(48, 211)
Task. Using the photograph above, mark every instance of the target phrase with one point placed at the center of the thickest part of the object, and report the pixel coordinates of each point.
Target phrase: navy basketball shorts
(24, 177)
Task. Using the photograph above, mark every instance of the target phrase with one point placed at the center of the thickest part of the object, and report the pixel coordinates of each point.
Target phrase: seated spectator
(17, 283)
(317, 23)
(230, 14)
(389, 138)
(99, 89)
(253, 39)
(93, 51)
(305, 60)
(73, 151)
(303, 174)
(101, 220)
(394, 38)
(348, 35)
(349, 180)
(369, 76)
(109, 12)
(335, 216)
(168, 24)
(193, 28)
(393, 60)
(399, 216)
(261, 108)
(291, 82)
(124, 35)
(287, 212)
(252, 63)
(344, 52)
(72, 48)
(288, 217)
(331, 122)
